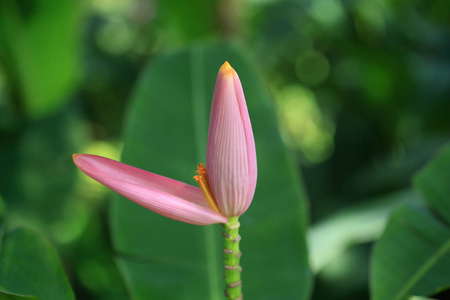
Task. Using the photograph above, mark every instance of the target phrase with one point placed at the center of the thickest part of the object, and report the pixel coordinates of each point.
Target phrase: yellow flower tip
(226, 68)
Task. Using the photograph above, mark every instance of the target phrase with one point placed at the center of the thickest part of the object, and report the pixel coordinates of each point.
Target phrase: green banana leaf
(30, 268)
(166, 134)
(11, 296)
(413, 255)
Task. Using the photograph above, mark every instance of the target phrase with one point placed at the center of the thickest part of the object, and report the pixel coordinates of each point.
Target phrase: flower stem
(231, 257)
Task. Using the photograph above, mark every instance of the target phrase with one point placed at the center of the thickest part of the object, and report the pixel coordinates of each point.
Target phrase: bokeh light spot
(73, 223)
(327, 12)
(312, 68)
(116, 37)
(304, 127)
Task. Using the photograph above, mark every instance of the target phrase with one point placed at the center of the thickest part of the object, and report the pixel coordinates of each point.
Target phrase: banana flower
(227, 183)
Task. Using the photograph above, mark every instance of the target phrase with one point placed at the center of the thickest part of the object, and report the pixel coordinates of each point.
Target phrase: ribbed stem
(233, 290)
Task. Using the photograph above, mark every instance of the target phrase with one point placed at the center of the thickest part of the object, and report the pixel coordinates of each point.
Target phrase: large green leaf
(413, 255)
(167, 134)
(30, 266)
(11, 296)
(434, 183)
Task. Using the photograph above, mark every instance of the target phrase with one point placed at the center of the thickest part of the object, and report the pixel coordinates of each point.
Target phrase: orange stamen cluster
(202, 180)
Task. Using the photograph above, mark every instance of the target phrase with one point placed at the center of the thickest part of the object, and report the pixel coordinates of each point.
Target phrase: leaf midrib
(422, 270)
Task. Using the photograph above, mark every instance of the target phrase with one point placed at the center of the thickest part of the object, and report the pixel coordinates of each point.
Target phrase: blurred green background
(360, 87)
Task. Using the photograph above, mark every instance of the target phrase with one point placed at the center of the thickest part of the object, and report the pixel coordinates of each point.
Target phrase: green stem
(231, 257)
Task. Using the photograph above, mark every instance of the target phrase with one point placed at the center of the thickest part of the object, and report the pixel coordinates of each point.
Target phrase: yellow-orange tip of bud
(226, 68)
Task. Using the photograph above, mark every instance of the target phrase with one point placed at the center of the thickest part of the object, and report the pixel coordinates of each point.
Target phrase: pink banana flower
(227, 183)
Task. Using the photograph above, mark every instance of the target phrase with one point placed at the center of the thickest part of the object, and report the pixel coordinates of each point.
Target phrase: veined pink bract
(228, 182)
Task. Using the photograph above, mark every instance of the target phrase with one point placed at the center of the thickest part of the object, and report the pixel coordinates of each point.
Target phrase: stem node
(232, 254)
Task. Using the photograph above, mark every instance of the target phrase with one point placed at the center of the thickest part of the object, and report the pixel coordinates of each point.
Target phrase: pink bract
(230, 163)
(231, 155)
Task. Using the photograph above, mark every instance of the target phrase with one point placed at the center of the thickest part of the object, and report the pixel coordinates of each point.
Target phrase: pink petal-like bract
(231, 154)
(165, 196)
